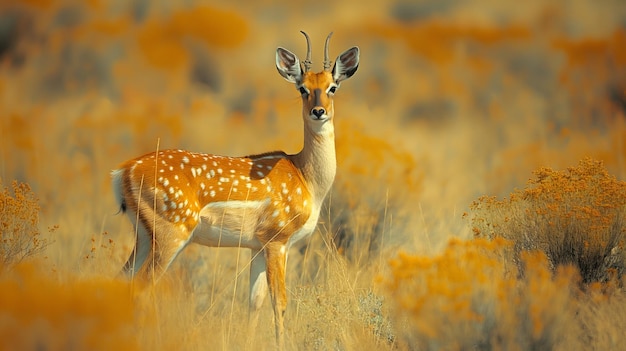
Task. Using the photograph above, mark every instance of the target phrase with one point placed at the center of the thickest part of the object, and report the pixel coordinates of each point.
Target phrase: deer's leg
(258, 290)
(140, 251)
(168, 239)
(276, 256)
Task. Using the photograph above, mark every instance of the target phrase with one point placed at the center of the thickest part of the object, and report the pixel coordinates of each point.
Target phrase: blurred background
(452, 100)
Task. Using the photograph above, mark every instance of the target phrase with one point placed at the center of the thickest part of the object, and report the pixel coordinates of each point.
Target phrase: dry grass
(453, 100)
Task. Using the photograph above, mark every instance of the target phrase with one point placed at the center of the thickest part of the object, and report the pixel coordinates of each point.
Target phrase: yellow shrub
(19, 233)
(468, 297)
(575, 216)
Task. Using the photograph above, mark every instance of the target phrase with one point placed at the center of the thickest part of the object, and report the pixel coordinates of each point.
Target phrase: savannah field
(480, 197)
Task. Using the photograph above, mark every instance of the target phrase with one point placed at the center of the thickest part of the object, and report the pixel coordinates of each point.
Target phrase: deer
(264, 202)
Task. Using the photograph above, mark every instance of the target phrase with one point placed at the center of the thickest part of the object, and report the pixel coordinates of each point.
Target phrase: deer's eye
(303, 91)
(332, 89)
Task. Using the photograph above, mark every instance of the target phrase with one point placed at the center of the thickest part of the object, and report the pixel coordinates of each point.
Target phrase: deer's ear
(288, 65)
(346, 64)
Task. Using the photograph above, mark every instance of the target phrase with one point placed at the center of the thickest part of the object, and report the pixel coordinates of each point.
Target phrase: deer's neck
(317, 160)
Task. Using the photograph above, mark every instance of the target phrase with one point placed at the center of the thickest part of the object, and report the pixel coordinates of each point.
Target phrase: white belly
(307, 229)
(229, 224)
(234, 224)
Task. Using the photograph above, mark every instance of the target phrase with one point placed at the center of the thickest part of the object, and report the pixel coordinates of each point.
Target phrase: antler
(307, 62)
(327, 62)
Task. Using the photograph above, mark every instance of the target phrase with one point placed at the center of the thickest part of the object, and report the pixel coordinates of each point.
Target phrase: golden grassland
(479, 201)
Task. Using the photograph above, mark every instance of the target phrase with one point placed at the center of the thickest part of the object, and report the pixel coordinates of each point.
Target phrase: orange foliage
(38, 311)
(469, 296)
(591, 51)
(594, 74)
(18, 130)
(163, 40)
(437, 40)
(419, 282)
(110, 27)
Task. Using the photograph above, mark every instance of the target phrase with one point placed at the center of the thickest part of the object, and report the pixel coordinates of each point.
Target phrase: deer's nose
(318, 111)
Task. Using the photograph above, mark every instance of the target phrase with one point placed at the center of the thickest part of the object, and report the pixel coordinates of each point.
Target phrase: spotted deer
(263, 202)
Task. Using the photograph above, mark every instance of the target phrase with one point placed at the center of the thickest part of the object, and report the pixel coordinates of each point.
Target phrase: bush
(576, 217)
(19, 216)
(469, 298)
